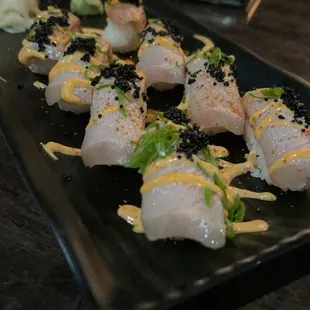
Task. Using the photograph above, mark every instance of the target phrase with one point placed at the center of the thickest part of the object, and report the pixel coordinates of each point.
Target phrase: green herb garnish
(270, 93)
(157, 142)
(102, 86)
(208, 157)
(218, 182)
(230, 231)
(122, 96)
(203, 170)
(123, 110)
(154, 21)
(217, 58)
(208, 196)
(237, 211)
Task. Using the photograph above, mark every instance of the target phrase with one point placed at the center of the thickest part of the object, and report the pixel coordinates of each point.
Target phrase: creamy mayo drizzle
(151, 116)
(229, 173)
(208, 44)
(39, 85)
(68, 88)
(104, 111)
(218, 151)
(93, 31)
(289, 157)
(132, 215)
(165, 41)
(250, 227)
(183, 106)
(52, 147)
(180, 177)
(233, 192)
(161, 41)
(26, 53)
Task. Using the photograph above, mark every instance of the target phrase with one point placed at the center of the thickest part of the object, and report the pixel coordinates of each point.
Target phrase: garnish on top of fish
(65, 18)
(211, 92)
(185, 194)
(45, 43)
(277, 128)
(118, 112)
(161, 57)
(126, 21)
(70, 79)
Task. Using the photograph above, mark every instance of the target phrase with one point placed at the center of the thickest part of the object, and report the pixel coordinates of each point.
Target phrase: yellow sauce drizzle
(52, 147)
(229, 173)
(161, 41)
(208, 44)
(250, 227)
(68, 88)
(272, 120)
(233, 193)
(264, 108)
(288, 157)
(151, 116)
(162, 163)
(39, 85)
(183, 106)
(66, 67)
(218, 151)
(26, 53)
(93, 31)
(180, 177)
(101, 113)
(132, 215)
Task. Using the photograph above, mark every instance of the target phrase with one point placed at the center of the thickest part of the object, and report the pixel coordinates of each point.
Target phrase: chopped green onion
(103, 86)
(208, 196)
(237, 211)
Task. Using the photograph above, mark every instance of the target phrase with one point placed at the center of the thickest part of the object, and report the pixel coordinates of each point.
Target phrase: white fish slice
(212, 105)
(162, 67)
(178, 210)
(115, 126)
(161, 57)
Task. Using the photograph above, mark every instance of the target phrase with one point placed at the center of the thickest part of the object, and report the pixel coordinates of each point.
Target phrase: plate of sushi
(147, 138)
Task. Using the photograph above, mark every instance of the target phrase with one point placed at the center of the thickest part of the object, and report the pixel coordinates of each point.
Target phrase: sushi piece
(63, 18)
(125, 23)
(47, 39)
(212, 94)
(70, 79)
(277, 128)
(43, 46)
(161, 57)
(184, 192)
(118, 112)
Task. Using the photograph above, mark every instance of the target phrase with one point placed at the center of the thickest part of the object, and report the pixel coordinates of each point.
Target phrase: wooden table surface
(34, 273)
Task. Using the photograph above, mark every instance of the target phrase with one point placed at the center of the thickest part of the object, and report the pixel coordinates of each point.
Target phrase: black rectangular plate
(122, 270)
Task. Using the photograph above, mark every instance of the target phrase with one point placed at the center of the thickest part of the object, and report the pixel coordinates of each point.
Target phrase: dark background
(33, 270)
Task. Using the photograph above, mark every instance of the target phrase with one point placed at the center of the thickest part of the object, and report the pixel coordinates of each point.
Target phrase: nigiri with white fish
(161, 57)
(277, 129)
(117, 118)
(125, 23)
(70, 79)
(46, 41)
(185, 194)
(211, 92)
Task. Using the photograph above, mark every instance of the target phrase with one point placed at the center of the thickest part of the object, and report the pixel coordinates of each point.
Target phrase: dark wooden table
(33, 271)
